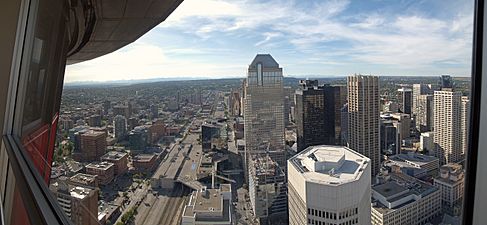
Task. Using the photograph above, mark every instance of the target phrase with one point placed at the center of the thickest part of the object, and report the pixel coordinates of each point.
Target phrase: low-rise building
(451, 184)
(144, 162)
(402, 199)
(103, 170)
(414, 164)
(119, 159)
(84, 180)
(209, 206)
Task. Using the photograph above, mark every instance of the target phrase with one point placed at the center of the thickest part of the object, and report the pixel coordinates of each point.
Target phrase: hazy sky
(219, 38)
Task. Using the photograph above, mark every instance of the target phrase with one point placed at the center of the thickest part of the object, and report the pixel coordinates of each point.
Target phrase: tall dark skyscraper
(405, 100)
(315, 114)
(446, 81)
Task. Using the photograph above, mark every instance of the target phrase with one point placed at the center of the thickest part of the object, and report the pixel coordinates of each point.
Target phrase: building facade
(451, 184)
(119, 127)
(314, 114)
(264, 110)
(329, 185)
(405, 97)
(424, 113)
(79, 203)
(363, 117)
(103, 170)
(403, 199)
(92, 145)
(448, 126)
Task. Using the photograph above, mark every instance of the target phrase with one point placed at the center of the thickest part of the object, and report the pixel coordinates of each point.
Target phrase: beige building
(105, 171)
(404, 200)
(448, 126)
(209, 207)
(79, 203)
(424, 113)
(329, 185)
(364, 117)
(451, 184)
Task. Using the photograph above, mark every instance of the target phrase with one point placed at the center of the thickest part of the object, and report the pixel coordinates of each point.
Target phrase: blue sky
(219, 38)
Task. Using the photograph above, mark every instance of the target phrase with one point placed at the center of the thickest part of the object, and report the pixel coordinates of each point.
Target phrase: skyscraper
(446, 82)
(364, 116)
(405, 100)
(424, 113)
(447, 123)
(329, 185)
(315, 114)
(264, 110)
(419, 89)
(119, 127)
(264, 136)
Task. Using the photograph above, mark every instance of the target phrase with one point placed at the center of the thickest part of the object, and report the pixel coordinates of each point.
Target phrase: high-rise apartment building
(264, 110)
(424, 113)
(448, 126)
(329, 185)
(419, 89)
(119, 127)
(314, 115)
(79, 203)
(92, 145)
(405, 97)
(451, 184)
(364, 116)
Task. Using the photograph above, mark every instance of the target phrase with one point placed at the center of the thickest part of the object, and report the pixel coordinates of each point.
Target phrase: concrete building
(315, 114)
(103, 170)
(119, 159)
(419, 89)
(451, 184)
(403, 199)
(403, 125)
(405, 97)
(329, 185)
(209, 206)
(92, 145)
(267, 189)
(448, 126)
(119, 127)
(84, 180)
(79, 203)
(414, 164)
(144, 162)
(363, 117)
(424, 113)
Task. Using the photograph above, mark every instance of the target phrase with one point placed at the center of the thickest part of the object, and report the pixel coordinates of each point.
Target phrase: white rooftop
(332, 165)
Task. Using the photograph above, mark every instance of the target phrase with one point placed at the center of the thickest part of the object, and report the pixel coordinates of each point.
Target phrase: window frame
(21, 174)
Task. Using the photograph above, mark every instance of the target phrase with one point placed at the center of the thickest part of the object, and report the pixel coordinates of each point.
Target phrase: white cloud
(401, 42)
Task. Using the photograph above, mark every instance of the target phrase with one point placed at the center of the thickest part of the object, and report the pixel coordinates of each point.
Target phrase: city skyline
(332, 38)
